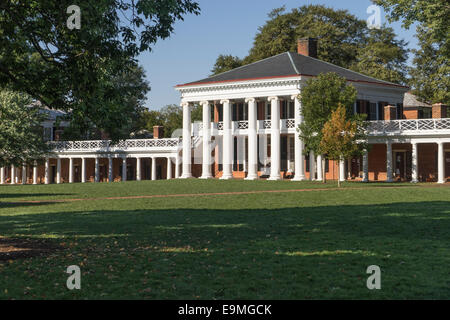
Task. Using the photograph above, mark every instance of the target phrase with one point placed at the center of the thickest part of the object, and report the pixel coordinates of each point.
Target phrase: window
(291, 110)
(372, 115)
(399, 111)
(381, 106)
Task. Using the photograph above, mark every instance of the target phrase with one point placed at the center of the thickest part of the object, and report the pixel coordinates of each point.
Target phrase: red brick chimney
(439, 111)
(158, 132)
(307, 47)
(390, 113)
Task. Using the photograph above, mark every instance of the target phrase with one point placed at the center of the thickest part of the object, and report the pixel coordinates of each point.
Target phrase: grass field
(207, 244)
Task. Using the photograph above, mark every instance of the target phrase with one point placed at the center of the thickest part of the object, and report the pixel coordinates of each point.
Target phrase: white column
(24, 174)
(58, 170)
(298, 157)
(2, 175)
(83, 170)
(227, 162)
(414, 164)
(110, 169)
(206, 162)
(365, 166)
(70, 170)
(187, 150)
(124, 168)
(177, 167)
(35, 172)
(47, 171)
(169, 168)
(138, 169)
(97, 170)
(13, 174)
(319, 168)
(252, 165)
(441, 163)
(153, 168)
(312, 166)
(389, 161)
(342, 170)
(275, 151)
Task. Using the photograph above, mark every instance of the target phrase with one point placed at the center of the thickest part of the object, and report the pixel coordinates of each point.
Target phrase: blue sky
(223, 27)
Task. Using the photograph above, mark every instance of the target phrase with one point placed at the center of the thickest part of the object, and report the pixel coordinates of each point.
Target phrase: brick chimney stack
(439, 111)
(158, 132)
(390, 113)
(307, 47)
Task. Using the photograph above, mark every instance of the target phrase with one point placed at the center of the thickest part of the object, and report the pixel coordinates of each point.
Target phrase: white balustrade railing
(105, 145)
(399, 126)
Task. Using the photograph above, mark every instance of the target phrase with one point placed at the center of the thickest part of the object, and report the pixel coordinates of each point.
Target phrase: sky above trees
(223, 27)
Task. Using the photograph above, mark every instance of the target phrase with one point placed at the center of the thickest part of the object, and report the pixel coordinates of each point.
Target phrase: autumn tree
(319, 98)
(342, 137)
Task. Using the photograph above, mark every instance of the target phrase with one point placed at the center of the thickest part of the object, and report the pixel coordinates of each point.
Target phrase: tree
(431, 14)
(430, 74)
(129, 87)
(75, 70)
(21, 134)
(320, 97)
(381, 48)
(342, 137)
(344, 40)
(225, 63)
(170, 117)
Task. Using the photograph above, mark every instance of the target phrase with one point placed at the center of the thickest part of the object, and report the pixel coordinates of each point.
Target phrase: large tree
(75, 70)
(320, 97)
(344, 40)
(21, 138)
(430, 73)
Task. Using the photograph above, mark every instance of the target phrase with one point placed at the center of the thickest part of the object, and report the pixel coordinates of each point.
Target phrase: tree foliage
(430, 74)
(76, 70)
(21, 134)
(225, 63)
(319, 98)
(342, 137)
(344, 40)
(170, 117)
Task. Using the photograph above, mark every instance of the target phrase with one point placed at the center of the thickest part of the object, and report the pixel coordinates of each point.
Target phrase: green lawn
(287, 245)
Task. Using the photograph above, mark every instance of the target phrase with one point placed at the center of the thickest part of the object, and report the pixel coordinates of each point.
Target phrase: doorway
(400, 165)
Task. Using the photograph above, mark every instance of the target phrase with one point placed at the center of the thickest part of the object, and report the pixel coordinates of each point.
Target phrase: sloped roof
(410, 100)
(285, 65)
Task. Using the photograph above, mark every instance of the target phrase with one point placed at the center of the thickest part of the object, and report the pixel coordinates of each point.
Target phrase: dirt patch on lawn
(22, 248)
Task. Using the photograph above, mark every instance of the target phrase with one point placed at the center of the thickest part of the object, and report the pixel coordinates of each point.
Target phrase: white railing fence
(408, 125)
(105, 145)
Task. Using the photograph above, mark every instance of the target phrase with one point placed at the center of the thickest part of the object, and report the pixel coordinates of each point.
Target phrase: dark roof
(285, 65)
(410, 100)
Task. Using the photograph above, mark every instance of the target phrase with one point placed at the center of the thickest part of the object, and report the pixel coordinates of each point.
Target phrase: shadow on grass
(286, 253)
(31, 195)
